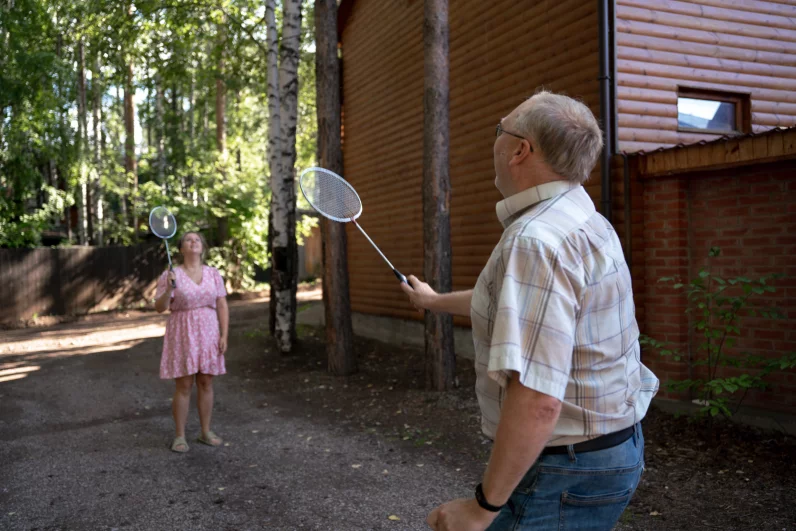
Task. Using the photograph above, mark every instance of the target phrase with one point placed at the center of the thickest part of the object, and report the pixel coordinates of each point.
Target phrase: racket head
(330, 195)
(162, 223)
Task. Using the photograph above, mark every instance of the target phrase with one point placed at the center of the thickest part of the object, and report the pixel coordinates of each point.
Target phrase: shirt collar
(510, 206)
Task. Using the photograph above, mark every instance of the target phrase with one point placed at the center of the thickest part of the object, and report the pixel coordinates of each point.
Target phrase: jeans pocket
(598, 512)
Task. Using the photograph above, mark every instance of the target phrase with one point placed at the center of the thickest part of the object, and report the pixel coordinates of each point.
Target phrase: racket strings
(162, 223)
(330, 195)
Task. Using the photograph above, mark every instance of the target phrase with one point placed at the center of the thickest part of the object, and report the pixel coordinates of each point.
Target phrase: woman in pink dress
(196, 335)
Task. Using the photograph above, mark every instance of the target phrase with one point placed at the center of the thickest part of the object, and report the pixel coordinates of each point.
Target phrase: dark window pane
(706, 114)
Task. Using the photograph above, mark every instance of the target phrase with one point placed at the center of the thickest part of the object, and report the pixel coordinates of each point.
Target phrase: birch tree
(82, 141)
(283, 94)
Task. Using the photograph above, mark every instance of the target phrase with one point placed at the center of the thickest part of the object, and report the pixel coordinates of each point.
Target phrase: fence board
(76, 280)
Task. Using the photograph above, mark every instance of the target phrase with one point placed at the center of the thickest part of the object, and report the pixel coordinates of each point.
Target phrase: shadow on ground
(85, 424)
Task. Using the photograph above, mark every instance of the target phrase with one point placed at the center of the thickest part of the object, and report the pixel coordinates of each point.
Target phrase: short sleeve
(536, 318)
(221, 290)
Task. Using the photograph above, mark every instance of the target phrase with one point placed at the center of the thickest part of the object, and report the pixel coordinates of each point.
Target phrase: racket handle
(173, 282)
(401, 277)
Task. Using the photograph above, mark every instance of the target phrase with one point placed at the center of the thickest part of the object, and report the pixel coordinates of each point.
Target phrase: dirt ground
(85, 423)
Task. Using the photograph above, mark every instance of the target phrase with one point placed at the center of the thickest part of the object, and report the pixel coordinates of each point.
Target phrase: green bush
(717, 306)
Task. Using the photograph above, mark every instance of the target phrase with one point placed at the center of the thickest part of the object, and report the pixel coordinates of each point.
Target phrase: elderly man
(559, 381)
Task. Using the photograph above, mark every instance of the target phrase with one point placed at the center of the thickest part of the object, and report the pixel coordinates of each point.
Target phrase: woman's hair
(201, 238)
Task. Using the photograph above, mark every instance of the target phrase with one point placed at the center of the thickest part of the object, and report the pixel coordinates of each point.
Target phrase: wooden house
(694, 96)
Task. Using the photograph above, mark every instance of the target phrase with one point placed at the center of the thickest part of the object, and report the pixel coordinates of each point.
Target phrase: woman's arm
(162, 302)
(223, 323)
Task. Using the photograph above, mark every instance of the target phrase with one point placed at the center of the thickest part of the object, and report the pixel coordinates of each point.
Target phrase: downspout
(628, 246)
(628, 222)
(606, 109)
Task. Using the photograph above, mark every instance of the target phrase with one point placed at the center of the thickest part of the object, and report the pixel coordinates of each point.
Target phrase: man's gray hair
(565, 131)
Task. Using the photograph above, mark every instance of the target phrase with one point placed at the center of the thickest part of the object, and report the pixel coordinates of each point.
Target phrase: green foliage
(175, 49)
(717, 306)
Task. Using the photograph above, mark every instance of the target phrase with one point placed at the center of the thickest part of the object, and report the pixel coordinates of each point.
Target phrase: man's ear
(521, 152)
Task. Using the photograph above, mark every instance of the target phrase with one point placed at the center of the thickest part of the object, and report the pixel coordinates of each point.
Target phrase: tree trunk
(274, 146)
(191, 105)
(119, 108)
(285, 251)
(440, 358)
(96, 87)
(274, 156)
(130, 166)
(177, 143)
(222, 224)
(82, 138)
(159, 133)
(336, 301)
(221, 93)
(59, 43)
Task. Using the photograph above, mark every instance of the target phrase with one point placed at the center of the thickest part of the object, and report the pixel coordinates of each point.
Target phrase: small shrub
(717, 306)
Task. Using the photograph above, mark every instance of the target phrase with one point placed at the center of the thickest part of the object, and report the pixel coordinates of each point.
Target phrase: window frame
(741, 100)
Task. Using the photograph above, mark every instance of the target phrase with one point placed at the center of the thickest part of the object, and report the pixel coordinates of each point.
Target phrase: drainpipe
(606, 109)
(628, 225)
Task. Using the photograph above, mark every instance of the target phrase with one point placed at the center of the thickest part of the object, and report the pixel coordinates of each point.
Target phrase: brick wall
(750, 213)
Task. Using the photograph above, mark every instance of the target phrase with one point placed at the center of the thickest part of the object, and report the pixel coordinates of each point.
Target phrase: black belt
(600, 443)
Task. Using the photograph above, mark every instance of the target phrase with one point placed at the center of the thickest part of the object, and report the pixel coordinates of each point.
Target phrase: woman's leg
(204, 401)
(180, 403)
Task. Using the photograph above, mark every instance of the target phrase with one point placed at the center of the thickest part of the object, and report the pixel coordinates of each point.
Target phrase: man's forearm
(527, 419)
(455, 302)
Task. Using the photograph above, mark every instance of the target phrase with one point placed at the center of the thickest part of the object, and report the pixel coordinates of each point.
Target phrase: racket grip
(173, 282)
(401, 278)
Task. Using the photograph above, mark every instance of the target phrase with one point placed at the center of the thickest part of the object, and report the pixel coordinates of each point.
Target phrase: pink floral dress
(192, 332)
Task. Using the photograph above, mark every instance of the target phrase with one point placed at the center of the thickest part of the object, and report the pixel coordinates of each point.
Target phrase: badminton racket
(334, 198)
(163, 225)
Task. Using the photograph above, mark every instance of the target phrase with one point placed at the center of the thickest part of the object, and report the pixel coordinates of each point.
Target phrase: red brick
(769, 334)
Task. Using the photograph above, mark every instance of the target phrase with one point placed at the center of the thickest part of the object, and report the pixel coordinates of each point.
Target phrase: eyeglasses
(499, 131)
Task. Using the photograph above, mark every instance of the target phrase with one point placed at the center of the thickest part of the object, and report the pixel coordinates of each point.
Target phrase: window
(704, 111)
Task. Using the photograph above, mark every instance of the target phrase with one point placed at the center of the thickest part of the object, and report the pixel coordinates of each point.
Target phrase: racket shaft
(374, 245)
(168, 254)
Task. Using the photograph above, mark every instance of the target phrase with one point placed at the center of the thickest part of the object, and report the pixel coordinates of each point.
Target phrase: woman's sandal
(210, 439)
(180, 445)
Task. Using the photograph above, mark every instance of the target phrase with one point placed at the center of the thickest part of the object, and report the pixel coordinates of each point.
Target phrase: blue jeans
(584, 491)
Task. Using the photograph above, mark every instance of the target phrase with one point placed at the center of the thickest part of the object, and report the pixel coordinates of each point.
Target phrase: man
(559, 381)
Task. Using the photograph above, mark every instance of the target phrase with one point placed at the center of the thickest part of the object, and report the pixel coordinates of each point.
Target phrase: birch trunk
(222, 231)
(285, 251)
(96, 88)
(274, 151)
(159, 132)
(82, 137)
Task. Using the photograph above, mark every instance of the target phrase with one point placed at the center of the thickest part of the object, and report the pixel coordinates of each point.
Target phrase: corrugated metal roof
(724, 138)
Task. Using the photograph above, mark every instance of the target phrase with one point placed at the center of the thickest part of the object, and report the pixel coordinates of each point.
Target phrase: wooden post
(336, 300)
(440, 358)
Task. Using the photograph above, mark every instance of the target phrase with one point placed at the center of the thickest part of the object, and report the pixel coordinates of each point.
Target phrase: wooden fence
(76, 280)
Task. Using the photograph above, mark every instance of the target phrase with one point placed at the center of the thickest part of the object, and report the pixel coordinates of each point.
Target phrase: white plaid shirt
(555, 304)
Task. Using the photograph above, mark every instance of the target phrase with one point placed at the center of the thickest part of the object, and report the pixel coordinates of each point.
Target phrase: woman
(196, 335)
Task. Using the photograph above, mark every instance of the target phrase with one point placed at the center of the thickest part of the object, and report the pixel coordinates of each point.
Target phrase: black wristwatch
(481, 499)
